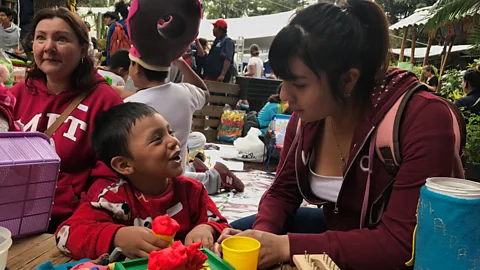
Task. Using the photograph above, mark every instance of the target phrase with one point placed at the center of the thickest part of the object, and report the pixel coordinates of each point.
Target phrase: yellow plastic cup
(241, 252)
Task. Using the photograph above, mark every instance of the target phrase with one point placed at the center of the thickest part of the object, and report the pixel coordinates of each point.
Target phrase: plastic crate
(29, 169)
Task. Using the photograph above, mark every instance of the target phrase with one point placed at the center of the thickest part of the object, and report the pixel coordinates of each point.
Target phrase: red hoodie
(427, 147)
(90, 232)
(38, 108)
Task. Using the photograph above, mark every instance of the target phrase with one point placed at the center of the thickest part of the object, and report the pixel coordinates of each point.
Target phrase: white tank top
(324, 187)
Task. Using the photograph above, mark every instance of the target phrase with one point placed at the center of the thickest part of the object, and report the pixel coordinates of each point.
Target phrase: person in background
(110, 19)
(274, 106)
(91, 48)
(122, 8)
(219, 63)
(9, 32)
(432, 81)
(255, 63)
(61, 72)
(471, 86)
(200, 54)
(117, 69)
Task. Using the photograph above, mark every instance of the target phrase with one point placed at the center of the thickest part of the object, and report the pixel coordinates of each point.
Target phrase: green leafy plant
(452, 85)
(473, 137)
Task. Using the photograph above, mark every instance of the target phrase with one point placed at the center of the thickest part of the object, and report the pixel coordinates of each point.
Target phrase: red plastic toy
(177, 257)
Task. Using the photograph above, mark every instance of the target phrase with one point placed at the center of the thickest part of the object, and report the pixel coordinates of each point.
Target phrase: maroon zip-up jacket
(427, 147)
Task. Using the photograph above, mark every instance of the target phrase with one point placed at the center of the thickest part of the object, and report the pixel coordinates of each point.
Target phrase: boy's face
(155, 151)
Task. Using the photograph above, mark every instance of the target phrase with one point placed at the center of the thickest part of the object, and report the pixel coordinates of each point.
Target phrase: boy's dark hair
(152, 75)
(120, 59)
(8, 12)
(111, 15)
(112, 128)
(472, 77)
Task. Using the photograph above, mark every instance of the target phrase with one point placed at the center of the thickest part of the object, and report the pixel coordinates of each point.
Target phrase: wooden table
(29, 253)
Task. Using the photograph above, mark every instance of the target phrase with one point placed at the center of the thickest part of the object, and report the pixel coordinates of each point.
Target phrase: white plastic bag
(250, 148)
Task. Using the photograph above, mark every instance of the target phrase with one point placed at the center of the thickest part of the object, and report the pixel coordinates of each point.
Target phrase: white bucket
(5, 244)
(454, 187)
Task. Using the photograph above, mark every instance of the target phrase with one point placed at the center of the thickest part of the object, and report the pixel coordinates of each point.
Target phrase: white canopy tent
(434, 50)
(258, 30)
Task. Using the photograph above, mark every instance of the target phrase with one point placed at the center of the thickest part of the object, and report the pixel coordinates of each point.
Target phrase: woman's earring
(81, 61)
(347, 95)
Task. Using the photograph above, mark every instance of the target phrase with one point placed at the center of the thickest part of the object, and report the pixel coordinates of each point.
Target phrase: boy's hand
(201, 233)
(137, 242)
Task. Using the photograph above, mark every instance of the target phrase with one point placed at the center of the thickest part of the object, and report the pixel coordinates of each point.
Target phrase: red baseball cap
(221, 23)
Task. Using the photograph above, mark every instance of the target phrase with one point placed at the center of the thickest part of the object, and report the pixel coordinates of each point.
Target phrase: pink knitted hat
(162, 30)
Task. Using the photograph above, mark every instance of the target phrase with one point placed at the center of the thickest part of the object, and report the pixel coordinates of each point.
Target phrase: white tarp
(434, 50)
(250, 27)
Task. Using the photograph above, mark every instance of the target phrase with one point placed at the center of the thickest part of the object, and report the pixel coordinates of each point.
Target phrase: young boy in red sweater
(137, 143)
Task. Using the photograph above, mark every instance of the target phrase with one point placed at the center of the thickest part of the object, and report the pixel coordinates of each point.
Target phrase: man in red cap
(219, 63)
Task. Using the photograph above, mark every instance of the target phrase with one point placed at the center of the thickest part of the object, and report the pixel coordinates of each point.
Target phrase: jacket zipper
(336, 211)
(296, 171)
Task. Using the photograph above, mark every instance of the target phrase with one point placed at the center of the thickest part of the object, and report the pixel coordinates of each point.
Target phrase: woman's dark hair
(82, 78)
(472, 77)
(122, 8)
(275, 98)
(332, 39)
(254, 50)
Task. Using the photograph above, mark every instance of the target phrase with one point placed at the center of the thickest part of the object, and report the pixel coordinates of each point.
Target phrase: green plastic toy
(215, 263)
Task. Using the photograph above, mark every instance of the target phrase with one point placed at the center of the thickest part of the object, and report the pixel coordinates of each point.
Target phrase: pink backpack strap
(387, 145)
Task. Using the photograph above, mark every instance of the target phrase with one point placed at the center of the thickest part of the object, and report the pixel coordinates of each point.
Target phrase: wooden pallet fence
(207, 120)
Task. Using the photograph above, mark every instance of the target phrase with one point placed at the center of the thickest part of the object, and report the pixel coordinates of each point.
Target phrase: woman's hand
(138, 242)
(274, 248)
(225, 234)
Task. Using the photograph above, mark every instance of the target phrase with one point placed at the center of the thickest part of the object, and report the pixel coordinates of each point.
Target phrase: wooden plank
(210, 134)
(210, 110)
(24, 244)
(219, 100)
(404, 43)
(414, 40)
(52, 254)
(427, 55)
(20, 261)
(223, 88)
(200, 122)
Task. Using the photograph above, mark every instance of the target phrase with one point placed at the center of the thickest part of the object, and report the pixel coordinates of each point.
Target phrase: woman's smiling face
(56, 48)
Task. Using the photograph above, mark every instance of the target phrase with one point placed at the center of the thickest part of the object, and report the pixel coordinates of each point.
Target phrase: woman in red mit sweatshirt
(62, 71)
(333, 61)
